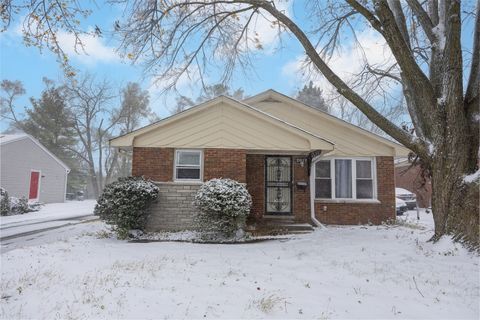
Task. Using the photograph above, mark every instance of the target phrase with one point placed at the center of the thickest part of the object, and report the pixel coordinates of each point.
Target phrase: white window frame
(354, 178)
(324, 178)
(176, 165)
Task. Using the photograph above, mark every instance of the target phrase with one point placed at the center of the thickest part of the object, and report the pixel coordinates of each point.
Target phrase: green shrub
(224, 205)
(123, 204)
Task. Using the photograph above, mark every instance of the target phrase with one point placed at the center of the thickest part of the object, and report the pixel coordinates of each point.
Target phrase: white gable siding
(229, 124)
(347, 141)
(18, 158)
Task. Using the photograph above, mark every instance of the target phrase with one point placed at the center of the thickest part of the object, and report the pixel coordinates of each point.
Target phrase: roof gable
(7, 138)
(348, 138)
(224, 123)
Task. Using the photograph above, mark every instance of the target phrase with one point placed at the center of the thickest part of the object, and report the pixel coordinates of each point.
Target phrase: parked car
(400, 206)
(409, 197)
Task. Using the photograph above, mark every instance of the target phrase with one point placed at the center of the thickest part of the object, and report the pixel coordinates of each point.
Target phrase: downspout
(66, 182)
(312, 194)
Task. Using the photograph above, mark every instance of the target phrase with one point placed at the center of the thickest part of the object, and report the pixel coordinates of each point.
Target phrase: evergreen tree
(49, 122)
(312, 96)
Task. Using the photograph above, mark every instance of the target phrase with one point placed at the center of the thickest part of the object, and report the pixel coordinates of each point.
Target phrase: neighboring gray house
(28, 169)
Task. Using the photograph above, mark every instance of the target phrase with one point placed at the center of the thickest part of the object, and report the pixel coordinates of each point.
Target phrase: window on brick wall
(345, 178)
(323, 179)
(188, 165)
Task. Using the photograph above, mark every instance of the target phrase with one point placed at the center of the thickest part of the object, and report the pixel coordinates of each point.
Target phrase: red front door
(34, 184)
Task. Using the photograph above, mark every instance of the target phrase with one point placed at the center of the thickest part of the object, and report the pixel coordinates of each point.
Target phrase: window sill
(179, 182)
(371, 201)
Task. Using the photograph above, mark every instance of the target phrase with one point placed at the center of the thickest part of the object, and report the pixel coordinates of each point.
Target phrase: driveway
(53, 220)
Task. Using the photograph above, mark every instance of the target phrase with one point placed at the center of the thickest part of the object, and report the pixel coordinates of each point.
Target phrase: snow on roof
(5, 138)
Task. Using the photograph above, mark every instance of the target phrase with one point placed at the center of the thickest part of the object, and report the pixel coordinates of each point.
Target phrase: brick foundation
(362, 213)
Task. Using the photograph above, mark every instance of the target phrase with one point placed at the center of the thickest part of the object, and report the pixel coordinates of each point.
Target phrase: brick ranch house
(296, 161)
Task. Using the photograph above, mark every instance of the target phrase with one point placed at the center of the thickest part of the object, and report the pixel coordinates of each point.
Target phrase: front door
(34, 185)
(278, 185)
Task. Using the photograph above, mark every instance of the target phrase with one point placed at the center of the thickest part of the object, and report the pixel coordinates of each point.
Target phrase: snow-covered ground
(337, 272)
(51, 223)
(52, 211)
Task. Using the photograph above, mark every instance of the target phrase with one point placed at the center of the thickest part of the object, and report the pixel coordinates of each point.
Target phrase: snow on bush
(4, 202)
(11, 205)
(223, 205)
(123, 204)
(21, 205)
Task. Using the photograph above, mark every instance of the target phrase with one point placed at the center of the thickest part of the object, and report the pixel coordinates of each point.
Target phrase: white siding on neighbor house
(19, 158)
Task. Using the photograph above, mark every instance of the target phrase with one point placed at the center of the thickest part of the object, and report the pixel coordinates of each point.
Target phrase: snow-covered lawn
(338, 272)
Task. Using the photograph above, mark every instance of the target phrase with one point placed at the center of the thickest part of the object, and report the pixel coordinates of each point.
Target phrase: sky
(279, 69)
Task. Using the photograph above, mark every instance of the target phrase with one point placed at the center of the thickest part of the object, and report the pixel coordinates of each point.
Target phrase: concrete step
(299, 227)
(280, 226)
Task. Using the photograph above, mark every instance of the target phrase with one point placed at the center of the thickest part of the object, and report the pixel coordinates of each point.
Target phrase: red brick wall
(157, 164)
(256, 183)
(301, 197)
(225, 163)
(153, 163)
(361, 213)
(410, 178)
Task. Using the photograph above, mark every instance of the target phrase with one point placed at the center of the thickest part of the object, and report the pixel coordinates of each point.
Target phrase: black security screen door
(278, 185)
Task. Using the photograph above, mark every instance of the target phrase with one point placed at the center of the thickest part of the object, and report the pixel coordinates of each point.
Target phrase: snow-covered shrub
(21, 205)
(124, 204)
(223, 205)
(4, 202)
(12, 205)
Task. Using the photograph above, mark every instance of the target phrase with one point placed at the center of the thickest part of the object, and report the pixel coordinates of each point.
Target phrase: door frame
(39, 187)
(289, 213)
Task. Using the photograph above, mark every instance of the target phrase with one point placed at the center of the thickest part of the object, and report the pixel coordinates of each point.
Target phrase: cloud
(346, 63)
(94, 49)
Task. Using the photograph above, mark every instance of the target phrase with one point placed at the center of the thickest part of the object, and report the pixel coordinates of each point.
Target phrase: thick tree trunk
(455, 204)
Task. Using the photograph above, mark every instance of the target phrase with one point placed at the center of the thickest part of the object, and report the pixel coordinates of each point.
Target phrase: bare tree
(133, 112)
(344, 110)
(177, 37)
(11, 90)
(93, 120)
(43, 20)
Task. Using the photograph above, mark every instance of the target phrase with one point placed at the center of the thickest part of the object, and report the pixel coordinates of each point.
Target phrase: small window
(343, 178)
(188, 165)
(364, 179)
(323, 180)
